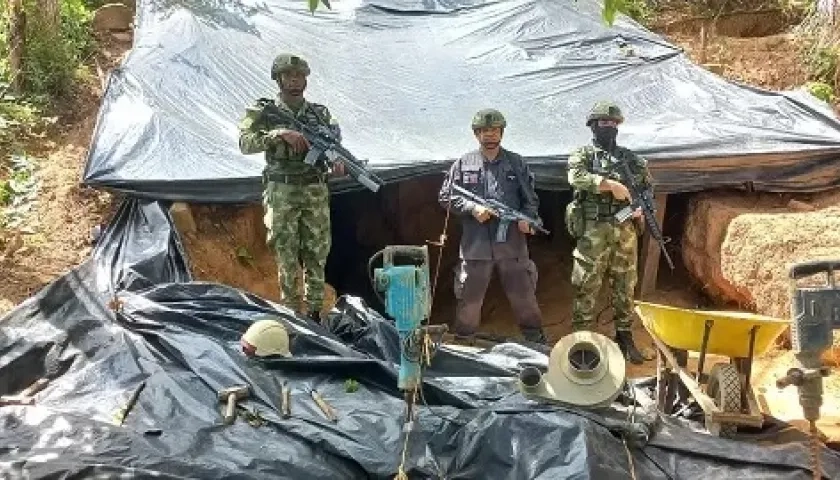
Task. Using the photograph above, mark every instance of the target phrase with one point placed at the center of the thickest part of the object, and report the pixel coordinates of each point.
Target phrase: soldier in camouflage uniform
(295, 196)
(493, 173)
(604, 247)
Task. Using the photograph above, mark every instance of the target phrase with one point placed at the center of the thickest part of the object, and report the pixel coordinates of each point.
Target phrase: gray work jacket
(506, 179)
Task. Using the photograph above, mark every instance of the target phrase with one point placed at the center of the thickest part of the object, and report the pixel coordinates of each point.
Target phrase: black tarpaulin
(181, 338)
(404, 78)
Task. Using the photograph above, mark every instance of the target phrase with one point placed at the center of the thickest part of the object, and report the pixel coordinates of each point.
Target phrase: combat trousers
(604, 250)
(519, 281)
(298, 221)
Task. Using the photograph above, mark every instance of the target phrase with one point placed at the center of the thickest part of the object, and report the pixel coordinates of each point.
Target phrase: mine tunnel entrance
(228, 246)
(407, 213)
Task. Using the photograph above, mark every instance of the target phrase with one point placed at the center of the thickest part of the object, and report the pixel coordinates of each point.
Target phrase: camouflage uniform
(508, 180)
(604, 247)
(296, 196)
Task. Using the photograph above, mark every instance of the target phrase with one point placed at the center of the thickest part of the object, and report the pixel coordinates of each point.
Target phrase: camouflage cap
(286, 62)
(604, 111)
(488, 118)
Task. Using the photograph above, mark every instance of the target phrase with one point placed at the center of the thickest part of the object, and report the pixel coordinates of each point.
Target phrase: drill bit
(815, 450)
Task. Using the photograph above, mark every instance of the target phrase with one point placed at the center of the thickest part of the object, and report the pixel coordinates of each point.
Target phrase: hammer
(232, 395)
(27, 396)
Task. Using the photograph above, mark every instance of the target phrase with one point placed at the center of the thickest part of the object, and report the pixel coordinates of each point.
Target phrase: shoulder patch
(471, 160)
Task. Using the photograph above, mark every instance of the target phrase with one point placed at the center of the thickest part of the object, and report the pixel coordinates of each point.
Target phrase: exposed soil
(754, 49)
(56, 235)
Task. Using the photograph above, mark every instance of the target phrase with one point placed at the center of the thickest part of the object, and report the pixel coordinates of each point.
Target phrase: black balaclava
(604, 136)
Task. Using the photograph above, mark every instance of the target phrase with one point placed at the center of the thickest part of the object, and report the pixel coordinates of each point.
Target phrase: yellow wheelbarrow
(725, 395)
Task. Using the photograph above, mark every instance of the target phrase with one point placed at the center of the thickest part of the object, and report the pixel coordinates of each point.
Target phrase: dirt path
(55, 235)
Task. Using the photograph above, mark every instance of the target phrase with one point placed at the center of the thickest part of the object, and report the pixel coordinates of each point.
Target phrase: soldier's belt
(301, 179)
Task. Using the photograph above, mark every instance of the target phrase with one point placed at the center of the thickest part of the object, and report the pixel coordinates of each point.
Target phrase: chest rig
(601, 206)
(280, 158)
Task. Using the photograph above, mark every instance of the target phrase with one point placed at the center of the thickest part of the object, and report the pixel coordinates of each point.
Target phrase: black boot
(624, 339)
(534, 335)
(315, 316)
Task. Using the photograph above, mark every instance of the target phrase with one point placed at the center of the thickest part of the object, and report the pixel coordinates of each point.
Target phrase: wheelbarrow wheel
(724, 388)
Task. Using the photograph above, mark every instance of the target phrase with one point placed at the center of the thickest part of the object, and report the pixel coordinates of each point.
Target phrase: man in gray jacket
(493, 173)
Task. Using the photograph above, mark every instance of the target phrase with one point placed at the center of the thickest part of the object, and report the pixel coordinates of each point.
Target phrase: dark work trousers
(519, 280)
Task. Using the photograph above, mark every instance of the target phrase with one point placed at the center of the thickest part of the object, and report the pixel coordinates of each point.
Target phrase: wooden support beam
(182, 217)
(650, 253)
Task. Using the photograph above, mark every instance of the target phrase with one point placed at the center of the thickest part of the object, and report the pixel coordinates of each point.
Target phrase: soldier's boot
(534, 335)
(465, 340)
(315, 316)
(624, 339)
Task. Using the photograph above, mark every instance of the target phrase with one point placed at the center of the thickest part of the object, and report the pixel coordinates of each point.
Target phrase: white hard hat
(266, 337)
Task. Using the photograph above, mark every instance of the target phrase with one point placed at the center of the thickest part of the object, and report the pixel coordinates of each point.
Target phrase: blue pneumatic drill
(406, 293)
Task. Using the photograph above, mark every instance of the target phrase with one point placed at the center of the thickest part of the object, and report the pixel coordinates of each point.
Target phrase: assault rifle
(641, 197)
(323, 142)
(500, 210)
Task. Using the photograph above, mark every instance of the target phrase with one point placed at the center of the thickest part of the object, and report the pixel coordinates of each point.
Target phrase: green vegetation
(821, 90)
(18, 192)
(819, 43)
(54, 50)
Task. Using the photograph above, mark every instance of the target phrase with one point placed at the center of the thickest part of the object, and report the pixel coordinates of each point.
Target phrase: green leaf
(611, 9)
(313, 5)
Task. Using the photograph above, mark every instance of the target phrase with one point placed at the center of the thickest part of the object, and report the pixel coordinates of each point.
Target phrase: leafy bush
(52, 56)
(821, 90)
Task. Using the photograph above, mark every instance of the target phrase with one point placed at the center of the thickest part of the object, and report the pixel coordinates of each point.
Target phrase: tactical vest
(281, 161)
(601, 206)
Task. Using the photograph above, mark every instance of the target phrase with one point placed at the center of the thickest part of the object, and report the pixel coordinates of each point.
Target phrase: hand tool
(325, 407)
(815, 312)
(119, 415)
(231, 395)
(285, 400)
(27, 396)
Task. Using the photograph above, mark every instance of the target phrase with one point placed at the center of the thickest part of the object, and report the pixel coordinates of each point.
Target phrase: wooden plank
(650, 253)
(702, 399)
(755, 421)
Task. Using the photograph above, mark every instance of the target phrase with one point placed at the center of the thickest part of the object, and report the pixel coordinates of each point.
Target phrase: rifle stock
(322, 144)
(505, 214)
(641, 198)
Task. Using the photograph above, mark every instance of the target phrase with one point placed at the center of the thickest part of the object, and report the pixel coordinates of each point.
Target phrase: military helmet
(266, 337)
(604, 111)
(287, 62)
(487, 118)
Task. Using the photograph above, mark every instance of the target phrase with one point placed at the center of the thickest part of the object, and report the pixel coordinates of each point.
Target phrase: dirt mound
(228, 246)
(755, 48)
(738, 246)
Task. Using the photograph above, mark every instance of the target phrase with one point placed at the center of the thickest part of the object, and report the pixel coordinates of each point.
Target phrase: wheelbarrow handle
(805, 269)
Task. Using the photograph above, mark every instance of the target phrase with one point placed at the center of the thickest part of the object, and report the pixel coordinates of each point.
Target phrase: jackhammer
(815, 313)
(407, 297)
